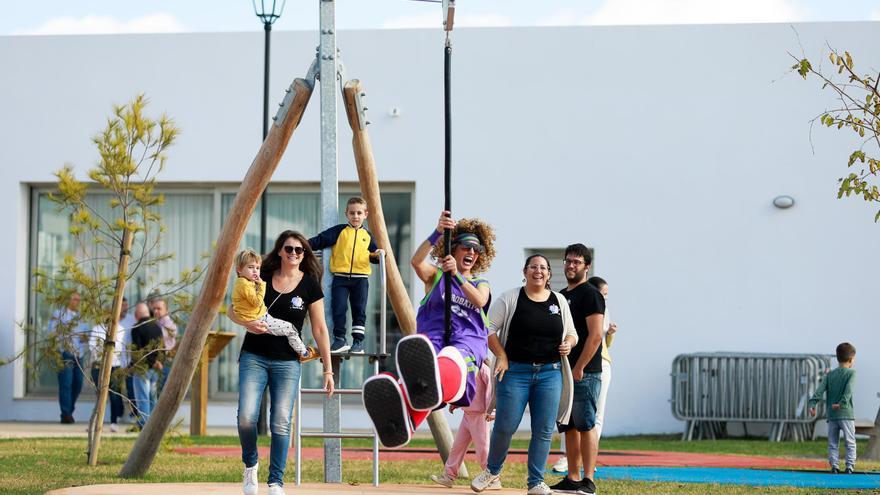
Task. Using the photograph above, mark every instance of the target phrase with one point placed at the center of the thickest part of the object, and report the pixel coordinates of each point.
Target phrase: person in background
(837, 388)
(146, 363)
(609, 330)
(72, 340)
(159, 310)
(96, 346)
(127, 322)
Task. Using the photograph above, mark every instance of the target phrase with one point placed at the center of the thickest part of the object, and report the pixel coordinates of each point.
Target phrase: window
(193, 218)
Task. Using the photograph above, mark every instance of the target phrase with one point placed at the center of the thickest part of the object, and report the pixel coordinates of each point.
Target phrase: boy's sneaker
(249, 479)
(495, 485)
(587, 487)
(357, 347)
(848, 470)
(385, 405)
(443, 479)
(311, 355)
(834, 470)
(561, 465)
(540, 489)
(339, 346)
(483, 481)
(114, 427)
(417, 365)
(567, 485)
(276, 489)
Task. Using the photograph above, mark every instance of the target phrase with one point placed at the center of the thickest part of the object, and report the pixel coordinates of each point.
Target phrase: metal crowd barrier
(710, 390)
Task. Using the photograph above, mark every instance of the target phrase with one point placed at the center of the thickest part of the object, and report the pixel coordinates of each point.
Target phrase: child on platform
(474, 426)
(837, 386)
(353, 251)
(247, 299)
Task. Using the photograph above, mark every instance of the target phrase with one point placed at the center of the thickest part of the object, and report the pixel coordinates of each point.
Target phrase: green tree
(858, 111)
(116, 235)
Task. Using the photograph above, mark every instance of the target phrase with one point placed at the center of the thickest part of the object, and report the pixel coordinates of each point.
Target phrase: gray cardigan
(501, 313)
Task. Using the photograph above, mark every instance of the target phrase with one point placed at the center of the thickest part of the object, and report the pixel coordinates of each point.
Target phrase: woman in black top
(293, 290)
(530, 330)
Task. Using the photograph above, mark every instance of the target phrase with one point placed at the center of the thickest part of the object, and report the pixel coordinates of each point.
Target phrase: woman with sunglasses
(530, 333)
(438, 365)
(293, 291)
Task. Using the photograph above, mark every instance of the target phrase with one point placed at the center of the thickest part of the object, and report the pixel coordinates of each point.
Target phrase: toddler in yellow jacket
(247, 299)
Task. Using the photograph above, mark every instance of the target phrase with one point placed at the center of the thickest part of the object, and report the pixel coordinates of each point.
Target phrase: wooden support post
(198, 397)
(400, 301)
(217, 278)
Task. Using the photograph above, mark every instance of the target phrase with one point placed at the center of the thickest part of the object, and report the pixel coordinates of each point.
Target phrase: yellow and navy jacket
(351, 249)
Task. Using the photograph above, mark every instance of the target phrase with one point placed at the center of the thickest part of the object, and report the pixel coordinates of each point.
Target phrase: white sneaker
(276, 489)
(561, 465)
(443, 479)
(540, 489)
(114, 427)
(495, 485)
(249, 479)
(482, 481)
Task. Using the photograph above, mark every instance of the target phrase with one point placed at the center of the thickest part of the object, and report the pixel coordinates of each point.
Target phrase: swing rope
(448, 9)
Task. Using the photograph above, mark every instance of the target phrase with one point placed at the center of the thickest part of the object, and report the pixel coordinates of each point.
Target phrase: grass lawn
(33, 466)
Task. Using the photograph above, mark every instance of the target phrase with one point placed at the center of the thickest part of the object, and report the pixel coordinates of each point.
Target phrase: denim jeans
(114, 394)
(144, 399)
(539, 386)
(347, 291)
(70, 383)
(255, 373)
(585, 402)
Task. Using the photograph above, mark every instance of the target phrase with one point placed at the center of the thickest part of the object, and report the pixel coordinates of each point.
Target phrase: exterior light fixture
(783, 202)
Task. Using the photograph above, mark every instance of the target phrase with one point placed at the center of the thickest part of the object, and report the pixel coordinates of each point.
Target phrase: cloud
(617, 12)
(94, 24)
(435, 21)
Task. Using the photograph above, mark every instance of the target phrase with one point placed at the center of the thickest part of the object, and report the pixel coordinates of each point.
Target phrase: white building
(660, 147)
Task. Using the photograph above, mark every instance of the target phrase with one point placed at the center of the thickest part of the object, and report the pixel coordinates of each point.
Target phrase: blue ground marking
(736, 476)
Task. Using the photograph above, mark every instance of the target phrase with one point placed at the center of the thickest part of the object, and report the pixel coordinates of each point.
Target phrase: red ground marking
(606, 457)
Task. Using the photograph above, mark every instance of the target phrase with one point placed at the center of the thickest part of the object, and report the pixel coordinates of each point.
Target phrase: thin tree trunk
(873, 451)
(97, 423)
(400, 301)
(214, 288)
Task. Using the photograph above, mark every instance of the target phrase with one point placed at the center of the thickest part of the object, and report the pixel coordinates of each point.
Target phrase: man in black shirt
(588, 311)
(146, 343)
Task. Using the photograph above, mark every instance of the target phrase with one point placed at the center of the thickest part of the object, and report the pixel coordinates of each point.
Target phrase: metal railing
(711, 389)
(332, 464)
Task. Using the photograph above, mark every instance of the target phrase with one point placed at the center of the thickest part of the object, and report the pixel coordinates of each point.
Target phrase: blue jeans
(282, 377)
(70, 383)
(539, 386)
(144, 400)
(343, 291)
(113, 394)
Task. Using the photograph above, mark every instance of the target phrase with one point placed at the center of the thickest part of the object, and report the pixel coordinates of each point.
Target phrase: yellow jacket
(247, 299)
(351, 249)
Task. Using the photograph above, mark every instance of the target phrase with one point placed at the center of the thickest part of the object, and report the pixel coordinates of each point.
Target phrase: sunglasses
(294, 249)
(472, 247)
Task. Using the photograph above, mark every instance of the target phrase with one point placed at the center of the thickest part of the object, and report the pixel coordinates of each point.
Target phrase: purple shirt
(469, 333)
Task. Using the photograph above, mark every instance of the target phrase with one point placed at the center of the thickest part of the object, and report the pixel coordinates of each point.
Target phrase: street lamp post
(268, 11)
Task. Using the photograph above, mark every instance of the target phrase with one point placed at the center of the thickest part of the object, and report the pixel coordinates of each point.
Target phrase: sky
(56, 17)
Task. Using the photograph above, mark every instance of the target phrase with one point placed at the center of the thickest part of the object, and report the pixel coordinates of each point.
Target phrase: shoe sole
(341, 350)
(387, 410)
(417, 366)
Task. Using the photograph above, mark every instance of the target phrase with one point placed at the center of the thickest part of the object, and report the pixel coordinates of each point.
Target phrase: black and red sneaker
(386, 407)
(419, 374)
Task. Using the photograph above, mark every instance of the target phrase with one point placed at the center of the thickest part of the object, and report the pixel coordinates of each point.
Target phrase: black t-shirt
(535, 330)
(292, 307)
(585, 300)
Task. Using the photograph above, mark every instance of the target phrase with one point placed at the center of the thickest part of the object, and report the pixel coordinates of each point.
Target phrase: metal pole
(263, 422)
(447, 177)
(328, 68)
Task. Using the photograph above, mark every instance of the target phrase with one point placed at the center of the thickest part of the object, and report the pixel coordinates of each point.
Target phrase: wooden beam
(217, 278)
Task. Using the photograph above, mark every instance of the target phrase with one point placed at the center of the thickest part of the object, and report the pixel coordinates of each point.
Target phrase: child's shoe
(310, 355)
(834, 470)
(443, 479)
(357, 347)
(387, 409)
(848, 470)
(339, 346)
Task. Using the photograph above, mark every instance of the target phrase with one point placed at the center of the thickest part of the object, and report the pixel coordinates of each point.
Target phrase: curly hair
(483, 231)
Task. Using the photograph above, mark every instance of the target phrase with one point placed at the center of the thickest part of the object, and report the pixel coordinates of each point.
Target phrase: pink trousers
(473, 427)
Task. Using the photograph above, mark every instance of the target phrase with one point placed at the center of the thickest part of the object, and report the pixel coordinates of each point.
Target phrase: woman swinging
(437, 366)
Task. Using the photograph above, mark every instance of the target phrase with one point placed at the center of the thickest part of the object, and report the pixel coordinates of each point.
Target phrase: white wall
(662, 147)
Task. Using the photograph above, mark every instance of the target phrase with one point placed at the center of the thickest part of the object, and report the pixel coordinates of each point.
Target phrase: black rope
(447, 233)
